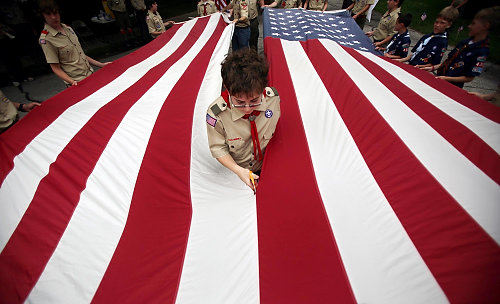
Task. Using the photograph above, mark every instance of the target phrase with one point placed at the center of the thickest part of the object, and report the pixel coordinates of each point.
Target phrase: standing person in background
(383, 33)
(206, 7)
(155, 23)
(400, 42)
(316, 5)
(140, 16)
(241, 35)
(359, 10)
(430, 48)
(466, 60)
(120, 11)
(253, 14)
(62, 48)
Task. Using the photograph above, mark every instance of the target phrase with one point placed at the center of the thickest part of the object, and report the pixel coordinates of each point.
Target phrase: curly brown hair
(244, 72)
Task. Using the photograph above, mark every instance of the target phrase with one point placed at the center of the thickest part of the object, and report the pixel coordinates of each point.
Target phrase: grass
(431, 9)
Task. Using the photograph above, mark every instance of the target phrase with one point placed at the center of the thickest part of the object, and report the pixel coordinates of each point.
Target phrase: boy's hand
(369, 34)
(244, 175)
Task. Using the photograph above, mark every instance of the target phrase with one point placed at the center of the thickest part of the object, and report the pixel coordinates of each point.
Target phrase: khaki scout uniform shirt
(240, 10)
(290, 3)
(65, 49)
(117, 5)
(252, 9)
(206, 8)
(229, 133)
(138, 4)
(8, 112)
(316, 5)
(386, 25)
(359, 5)
(155, 23)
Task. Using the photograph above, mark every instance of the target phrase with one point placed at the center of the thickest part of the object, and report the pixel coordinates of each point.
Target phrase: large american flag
(379, 186)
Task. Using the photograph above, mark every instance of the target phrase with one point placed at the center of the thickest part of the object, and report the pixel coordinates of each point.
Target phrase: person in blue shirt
(400, 42)
(466, 60)
(431, 47)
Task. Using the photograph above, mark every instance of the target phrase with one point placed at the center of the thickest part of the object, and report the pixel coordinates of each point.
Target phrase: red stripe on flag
(461, 256)
(463, 139)
(148, 260)
(23, 259)
(472, 102)
(298, 258)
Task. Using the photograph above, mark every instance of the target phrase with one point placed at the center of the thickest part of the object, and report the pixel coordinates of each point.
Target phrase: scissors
(253, 182)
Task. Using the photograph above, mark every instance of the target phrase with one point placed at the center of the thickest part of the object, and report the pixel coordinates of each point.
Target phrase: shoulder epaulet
(221, 104)
(271, 92)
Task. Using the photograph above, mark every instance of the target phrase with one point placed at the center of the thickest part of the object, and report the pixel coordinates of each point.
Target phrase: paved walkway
(46, 86)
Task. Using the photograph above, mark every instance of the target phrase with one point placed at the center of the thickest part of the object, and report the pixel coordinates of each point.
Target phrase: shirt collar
(52, 31)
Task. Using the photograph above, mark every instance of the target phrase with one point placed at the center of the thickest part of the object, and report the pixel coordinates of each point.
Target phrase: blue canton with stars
(301, 25)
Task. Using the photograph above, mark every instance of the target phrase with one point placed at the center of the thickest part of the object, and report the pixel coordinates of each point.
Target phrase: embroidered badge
(481, 58)
(42, 41)
(211, 121)
(268, 113)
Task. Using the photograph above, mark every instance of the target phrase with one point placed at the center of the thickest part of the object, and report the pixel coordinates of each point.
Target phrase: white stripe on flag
(221, 262)
(32, 165)
(486, 129)
(362, 220)
(470, 187)
(88, 243)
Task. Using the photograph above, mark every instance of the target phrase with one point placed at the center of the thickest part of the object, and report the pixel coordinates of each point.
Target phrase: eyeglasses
(251, 105)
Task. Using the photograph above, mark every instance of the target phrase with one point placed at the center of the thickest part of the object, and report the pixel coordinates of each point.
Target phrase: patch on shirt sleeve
(42, 41)
(211, 121)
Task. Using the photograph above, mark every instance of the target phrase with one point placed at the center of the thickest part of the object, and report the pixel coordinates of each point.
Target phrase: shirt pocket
(68, 54)
(236, 147)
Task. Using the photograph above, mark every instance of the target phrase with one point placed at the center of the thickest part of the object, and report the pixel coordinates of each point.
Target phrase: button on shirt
(429, 49)
(230, 133)
(241, 10)
(469, 62)
(155, 23)
(399, 45)
(386, 25)
(65, 49)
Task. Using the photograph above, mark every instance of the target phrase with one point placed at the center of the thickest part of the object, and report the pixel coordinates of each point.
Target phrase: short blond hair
(489, 15)
(449, 14)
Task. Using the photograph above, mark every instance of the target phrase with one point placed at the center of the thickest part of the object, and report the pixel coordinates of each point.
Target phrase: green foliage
(431, 8)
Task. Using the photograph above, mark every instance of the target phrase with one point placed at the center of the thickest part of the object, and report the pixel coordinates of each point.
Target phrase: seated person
(400, 42)
(431, 47)
(285, 4)
(206, 7)
(8, 111)
(466, 60)
(61, 47)
(359, 9)
(241, 122)
(155, 23)
(316, 5)
(383, 33)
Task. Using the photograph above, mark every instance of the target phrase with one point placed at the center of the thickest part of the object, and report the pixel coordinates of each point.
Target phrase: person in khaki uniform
(155, 23)
(383, 33)
(140, 16)
(285, 4)
(120, 11)
(358, 11)
(242, 121)
(8, 111)
(62, 48)
(241, 35)
(316, 5)
(206, 7)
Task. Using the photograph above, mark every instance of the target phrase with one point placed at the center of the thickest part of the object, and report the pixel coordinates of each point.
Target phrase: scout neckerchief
(424, 43)
(205, 8)
(446, 64)
(253, 127)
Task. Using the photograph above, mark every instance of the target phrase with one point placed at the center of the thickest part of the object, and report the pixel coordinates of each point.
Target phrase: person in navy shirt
(466, 61)
(400, 42)
(430, 48)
